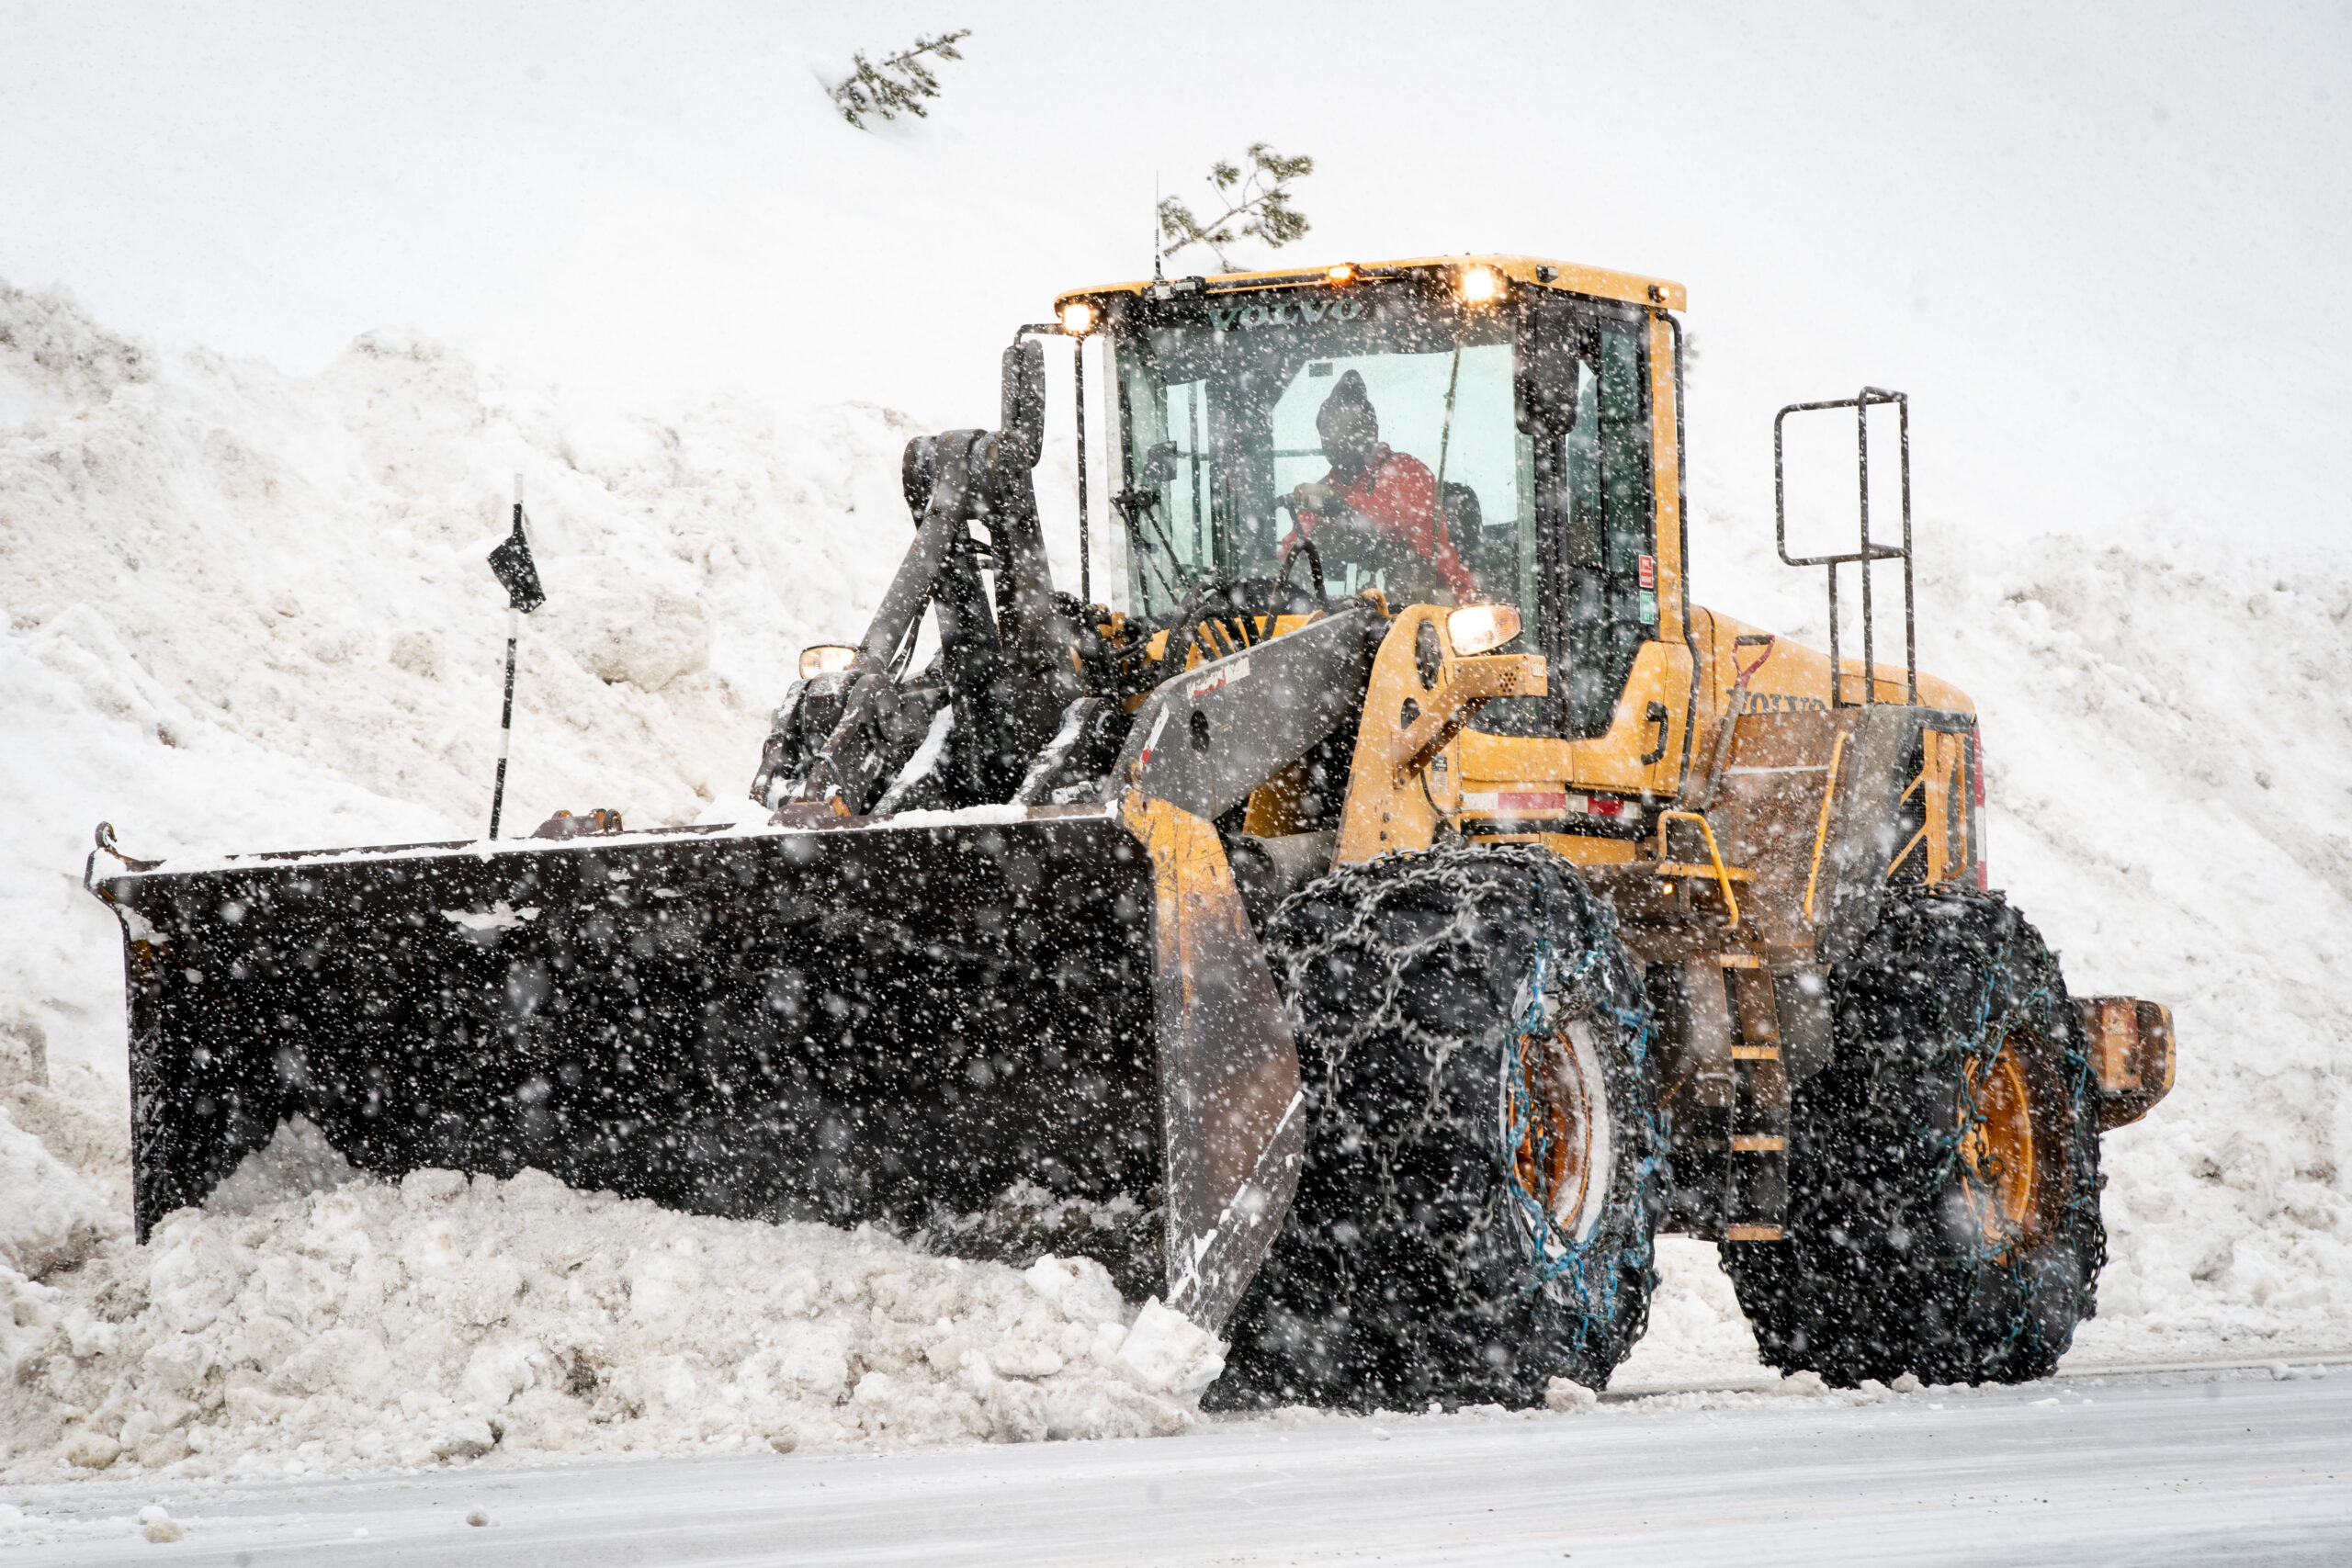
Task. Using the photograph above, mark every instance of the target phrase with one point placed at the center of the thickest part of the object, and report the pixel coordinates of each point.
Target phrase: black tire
(1454, 1239)
(1924, 1235)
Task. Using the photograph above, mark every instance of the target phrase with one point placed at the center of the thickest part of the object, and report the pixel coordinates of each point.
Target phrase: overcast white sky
(2105, 248)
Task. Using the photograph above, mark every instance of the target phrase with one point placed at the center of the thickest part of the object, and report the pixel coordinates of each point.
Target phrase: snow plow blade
(929, 1025)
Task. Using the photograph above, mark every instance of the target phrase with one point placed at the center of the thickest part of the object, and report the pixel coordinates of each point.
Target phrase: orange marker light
(1343, 272)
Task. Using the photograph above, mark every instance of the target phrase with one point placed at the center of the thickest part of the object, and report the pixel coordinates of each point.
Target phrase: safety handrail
(1866, 552)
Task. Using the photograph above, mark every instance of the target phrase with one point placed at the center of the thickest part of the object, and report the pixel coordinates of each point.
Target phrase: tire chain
(1575, 935)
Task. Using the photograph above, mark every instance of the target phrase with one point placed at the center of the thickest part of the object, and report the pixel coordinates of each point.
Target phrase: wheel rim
(1996, 1146)
(1558, 1125)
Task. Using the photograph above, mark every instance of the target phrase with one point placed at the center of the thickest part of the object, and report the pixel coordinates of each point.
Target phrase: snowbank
(48, 1215)
(2172, 740)
(310, 1319)
(248, 610)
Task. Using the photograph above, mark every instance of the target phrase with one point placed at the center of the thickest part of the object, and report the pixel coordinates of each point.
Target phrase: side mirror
(1024, 396)
(1160, 463)
(1551, 344)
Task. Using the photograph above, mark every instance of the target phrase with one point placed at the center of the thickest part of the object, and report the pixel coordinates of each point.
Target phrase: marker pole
(506, 717)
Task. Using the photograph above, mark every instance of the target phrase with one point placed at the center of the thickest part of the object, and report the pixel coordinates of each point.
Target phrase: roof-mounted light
(1078, 318)
(1481, 286)
(1345, 273)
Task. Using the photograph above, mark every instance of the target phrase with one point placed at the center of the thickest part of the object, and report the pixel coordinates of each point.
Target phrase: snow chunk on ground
(1565, 1393)
(310, 1318)
(1166, 1351)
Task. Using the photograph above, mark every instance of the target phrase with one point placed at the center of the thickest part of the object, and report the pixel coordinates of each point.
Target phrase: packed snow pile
(2171, 741)
(310, 1318)
(222, 554)
(249, 609)
(50, 1217)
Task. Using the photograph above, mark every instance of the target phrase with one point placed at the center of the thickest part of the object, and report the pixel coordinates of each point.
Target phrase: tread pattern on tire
(1408, 1270)
(1881, 1275)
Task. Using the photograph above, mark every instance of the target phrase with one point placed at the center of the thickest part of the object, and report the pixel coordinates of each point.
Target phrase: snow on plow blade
(919, 1025)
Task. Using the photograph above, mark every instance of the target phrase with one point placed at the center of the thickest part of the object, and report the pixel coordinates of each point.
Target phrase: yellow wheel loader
(1368, 925)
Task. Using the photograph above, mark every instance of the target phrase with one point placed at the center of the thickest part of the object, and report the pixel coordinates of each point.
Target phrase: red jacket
(1397, 493)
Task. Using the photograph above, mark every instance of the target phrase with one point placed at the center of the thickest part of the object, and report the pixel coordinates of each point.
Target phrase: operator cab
(1444, 433)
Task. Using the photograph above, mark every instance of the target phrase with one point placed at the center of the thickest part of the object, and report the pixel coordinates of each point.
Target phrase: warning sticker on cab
(1235, 672)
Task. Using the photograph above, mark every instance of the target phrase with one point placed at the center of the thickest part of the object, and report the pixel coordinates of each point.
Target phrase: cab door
(1598, 396)
(1605, 604)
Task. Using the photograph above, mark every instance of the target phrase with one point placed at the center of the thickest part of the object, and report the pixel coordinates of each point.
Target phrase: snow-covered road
(2228, 1467)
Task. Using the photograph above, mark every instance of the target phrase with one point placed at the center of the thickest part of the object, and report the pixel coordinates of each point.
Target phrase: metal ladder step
(1756, 1191)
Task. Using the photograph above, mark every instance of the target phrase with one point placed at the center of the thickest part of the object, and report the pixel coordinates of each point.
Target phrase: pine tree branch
(898, 84)
(1258, 206)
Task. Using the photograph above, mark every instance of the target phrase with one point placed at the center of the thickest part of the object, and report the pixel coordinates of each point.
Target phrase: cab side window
(1582, 388)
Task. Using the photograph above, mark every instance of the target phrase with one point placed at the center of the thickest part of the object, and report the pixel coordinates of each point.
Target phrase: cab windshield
(1379, 421)
(1419, 489)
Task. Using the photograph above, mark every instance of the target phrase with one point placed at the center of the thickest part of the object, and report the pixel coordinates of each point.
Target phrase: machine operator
(1376, 505)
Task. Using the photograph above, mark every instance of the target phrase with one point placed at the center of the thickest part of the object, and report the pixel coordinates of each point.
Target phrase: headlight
(1476, 628)
(1078, 318)
(826, 659)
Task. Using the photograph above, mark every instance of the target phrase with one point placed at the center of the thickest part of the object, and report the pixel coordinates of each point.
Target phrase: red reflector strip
(1531, 800)
(1540, 803)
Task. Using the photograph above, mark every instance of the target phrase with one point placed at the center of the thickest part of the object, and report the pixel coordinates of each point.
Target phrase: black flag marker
(517, 574)
(520, 577)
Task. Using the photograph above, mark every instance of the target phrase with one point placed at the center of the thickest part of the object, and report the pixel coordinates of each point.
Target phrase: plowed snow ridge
(248, 610)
